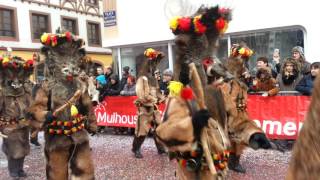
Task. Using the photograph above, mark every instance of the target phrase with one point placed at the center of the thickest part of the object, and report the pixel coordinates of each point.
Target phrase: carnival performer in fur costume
(194, 139)
(15, 97)
(149, 96)
(242, 131)
(196, 43)
(63, 109)
(304, 163)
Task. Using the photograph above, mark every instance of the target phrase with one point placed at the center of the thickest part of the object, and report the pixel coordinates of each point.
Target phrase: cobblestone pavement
(114, 160)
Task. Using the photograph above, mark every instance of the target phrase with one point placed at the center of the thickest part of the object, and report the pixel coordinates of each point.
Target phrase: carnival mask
(64, 54)
(15, 72)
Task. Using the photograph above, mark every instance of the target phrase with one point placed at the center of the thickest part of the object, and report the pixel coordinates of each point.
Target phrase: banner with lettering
(281, 117)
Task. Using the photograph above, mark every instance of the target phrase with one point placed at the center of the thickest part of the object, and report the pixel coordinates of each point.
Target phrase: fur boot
(160, 148)
(136, 146)
(15, 167)
(234, 163)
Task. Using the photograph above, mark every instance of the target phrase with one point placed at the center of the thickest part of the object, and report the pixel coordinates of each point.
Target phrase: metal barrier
(280, 93)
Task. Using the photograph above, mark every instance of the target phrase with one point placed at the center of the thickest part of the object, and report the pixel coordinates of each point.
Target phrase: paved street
(114, 160)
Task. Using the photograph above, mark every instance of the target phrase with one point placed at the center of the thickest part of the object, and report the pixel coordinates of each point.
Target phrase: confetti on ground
(114, 160)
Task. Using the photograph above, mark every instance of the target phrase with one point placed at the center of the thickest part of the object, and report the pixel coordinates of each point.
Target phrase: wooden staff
(200, 100)
(71, 101)
(198, 86)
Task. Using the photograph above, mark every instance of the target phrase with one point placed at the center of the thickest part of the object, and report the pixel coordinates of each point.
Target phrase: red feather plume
(187, 93)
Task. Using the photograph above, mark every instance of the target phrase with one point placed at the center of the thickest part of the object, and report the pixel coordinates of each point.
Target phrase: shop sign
(109, 18)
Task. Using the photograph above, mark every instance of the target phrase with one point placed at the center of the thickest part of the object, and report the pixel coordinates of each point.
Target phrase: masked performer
(195, 139)
(63, 109)
(15, 97)
(149, 95)
(242, 131)
(198, 47)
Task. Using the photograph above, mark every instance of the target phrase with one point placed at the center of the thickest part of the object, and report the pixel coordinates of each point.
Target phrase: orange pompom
(28, 64)
(68, 36)
(48, 41)
(51, 131)
(59, 131)
(54, 123)
(54, 40)
(187, 93)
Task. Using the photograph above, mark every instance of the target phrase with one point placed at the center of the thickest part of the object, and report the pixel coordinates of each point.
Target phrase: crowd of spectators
(290, 75)
(108, 84)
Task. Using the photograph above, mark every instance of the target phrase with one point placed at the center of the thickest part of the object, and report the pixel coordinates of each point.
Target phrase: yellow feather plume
(74, 111)
(44, 37)
(175, 88)
(174, 23)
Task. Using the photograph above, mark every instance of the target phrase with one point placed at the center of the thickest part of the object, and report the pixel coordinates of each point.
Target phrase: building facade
(23, 21)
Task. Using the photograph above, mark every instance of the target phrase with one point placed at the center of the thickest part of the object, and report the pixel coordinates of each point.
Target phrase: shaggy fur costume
(15, 97)
(149, 96)
(66, 144)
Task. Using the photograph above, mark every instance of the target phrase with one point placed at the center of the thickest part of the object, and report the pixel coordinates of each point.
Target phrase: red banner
(281, 117)
(118, 111)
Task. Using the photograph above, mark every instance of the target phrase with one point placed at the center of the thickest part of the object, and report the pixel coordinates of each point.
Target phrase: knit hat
(298, 49)
(101, 79)
(315, 65)
(126, 69)
(168, 72)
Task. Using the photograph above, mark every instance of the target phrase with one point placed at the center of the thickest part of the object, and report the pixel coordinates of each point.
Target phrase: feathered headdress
(241, 50)
(152, 54)
(55, 39)
(213, 19)
(16, 63)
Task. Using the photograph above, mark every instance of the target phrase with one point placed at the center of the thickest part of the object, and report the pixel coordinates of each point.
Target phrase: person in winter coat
(298, 55)
(113, 87)
(125, 75)
(101, 86)
(108, 73)
(129, 88)
(305, 86)
(262, 62)
(167, 77)
(289, 76)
